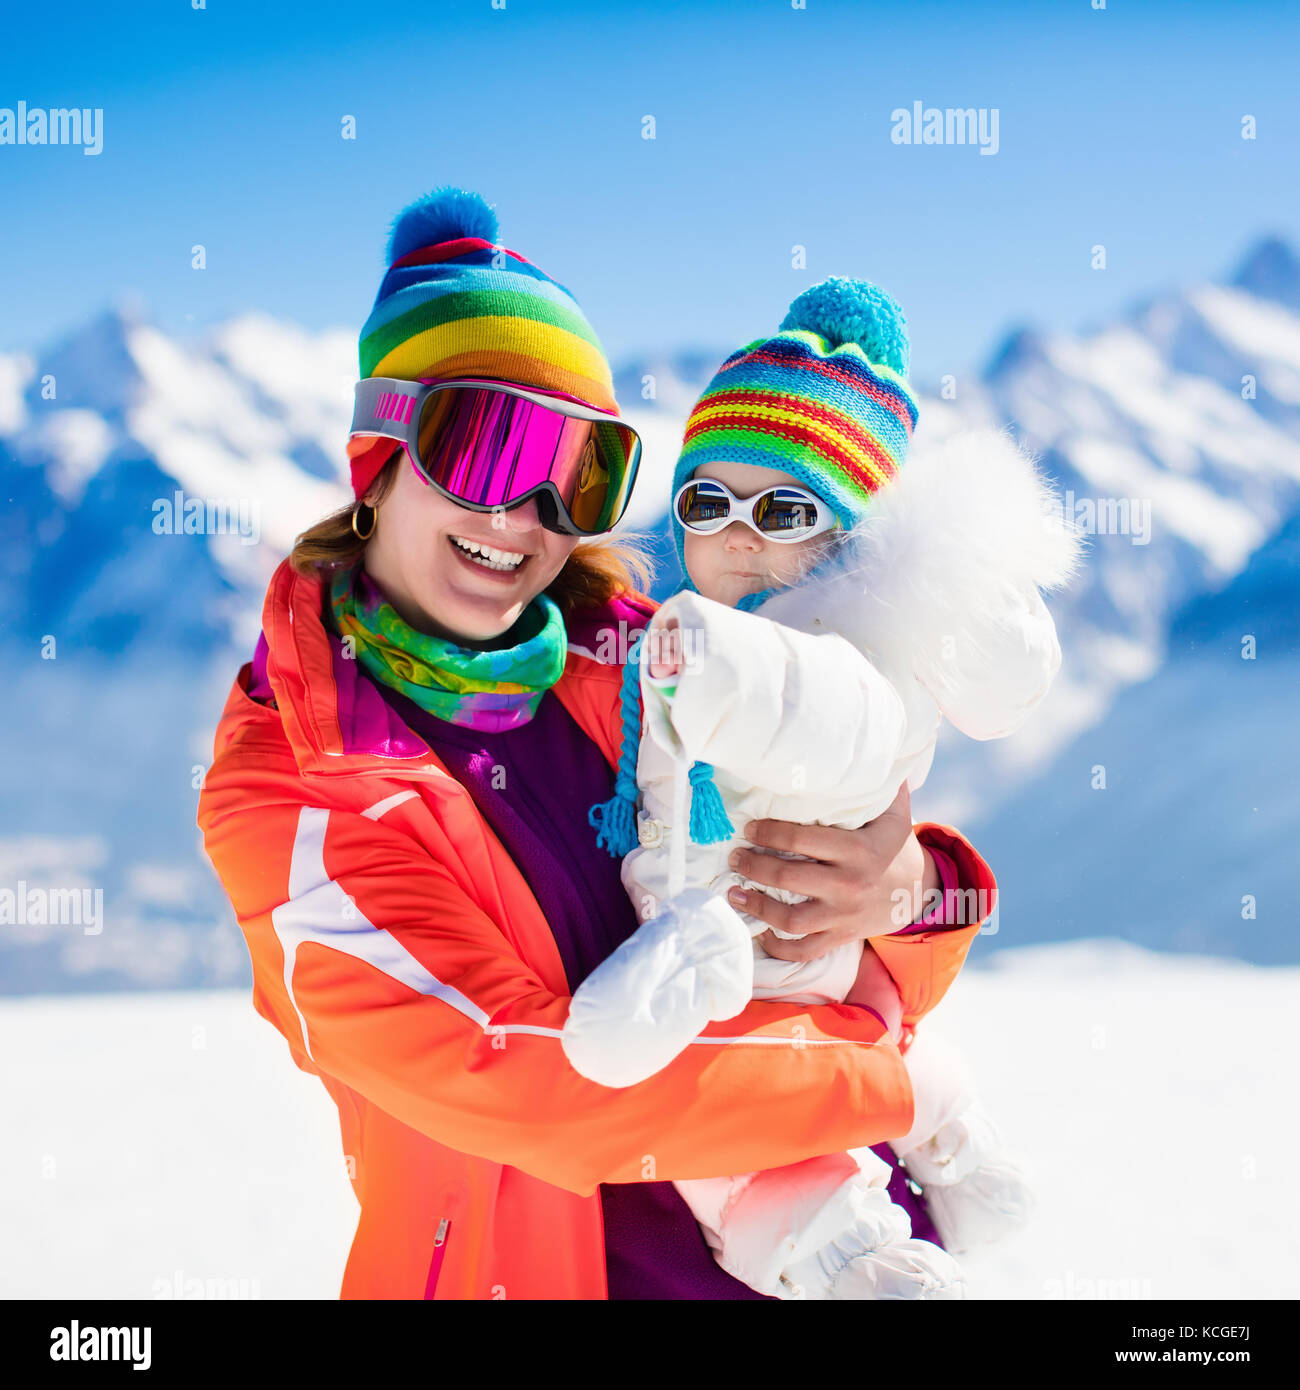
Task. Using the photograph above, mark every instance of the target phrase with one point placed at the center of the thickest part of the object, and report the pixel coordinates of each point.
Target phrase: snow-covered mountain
(1174, 434)
(1179, 810)
(104, 430)
(123, 630)
(1190, 409)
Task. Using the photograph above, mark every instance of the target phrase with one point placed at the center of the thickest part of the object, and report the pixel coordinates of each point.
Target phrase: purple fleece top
(552, 774)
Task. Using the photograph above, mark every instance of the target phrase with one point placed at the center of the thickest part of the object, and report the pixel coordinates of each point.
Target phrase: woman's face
(435, 584)
(728, 564)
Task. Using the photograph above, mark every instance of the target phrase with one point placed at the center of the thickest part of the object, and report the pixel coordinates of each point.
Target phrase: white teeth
(490, 558)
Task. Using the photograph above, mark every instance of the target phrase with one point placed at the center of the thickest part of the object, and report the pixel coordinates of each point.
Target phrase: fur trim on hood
(941, 580)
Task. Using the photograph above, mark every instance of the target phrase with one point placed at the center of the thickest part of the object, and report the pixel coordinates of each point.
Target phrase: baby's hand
(666, 647)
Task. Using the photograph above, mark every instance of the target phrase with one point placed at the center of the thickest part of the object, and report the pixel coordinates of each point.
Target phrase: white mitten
(906, 1269)
(991, 1204)
(957, 1148)
(875, 1258)
(974, 1192)
(758, 1223)
(639, 1008)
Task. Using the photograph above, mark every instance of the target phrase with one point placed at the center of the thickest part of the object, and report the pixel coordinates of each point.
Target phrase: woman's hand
(865, 882)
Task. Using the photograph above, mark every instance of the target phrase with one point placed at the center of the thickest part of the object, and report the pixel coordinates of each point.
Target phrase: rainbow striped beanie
(825, 400)
(455, 304)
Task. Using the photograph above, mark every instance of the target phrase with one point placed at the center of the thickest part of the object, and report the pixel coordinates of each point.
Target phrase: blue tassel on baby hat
(615, 819)
(709, 820)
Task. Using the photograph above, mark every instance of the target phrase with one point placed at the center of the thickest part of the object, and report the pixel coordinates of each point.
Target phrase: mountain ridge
(1187, 406)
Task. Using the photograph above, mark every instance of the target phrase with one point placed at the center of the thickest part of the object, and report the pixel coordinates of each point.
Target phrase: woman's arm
(383, 971)
(869, 883)
(925, 959)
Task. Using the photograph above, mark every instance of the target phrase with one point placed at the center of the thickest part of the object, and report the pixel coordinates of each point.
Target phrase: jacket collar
(337, 723)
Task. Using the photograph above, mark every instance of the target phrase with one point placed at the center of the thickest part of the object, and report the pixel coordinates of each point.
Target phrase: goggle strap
(384, 405)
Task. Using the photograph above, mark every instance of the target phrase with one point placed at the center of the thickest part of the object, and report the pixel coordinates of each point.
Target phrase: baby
(836, 605)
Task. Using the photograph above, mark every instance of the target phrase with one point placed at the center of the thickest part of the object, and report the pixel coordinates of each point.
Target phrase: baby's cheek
(807, 553)
(786, 563)
(697, 550)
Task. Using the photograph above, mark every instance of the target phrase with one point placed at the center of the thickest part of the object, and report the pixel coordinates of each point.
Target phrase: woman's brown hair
(593, 574)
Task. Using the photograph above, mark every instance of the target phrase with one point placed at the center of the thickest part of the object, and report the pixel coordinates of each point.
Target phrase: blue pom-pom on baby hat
(853, 311)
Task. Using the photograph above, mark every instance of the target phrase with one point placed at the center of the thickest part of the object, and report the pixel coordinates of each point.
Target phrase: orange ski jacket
(400, 952)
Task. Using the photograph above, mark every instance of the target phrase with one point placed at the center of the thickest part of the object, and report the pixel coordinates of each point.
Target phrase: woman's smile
(487, 559)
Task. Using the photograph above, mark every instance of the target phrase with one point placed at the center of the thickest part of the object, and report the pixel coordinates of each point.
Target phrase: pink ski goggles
(489, 445)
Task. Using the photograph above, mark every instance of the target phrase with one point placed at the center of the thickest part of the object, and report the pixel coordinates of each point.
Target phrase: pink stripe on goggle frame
(391, 406)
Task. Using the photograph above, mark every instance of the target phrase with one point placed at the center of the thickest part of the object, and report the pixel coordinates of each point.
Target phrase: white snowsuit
(816, 708)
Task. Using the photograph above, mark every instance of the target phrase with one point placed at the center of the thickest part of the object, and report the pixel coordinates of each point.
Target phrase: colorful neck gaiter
(487, 690)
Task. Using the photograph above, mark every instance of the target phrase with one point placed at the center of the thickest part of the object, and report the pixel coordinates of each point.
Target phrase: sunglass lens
(786, 512)
(703, 506)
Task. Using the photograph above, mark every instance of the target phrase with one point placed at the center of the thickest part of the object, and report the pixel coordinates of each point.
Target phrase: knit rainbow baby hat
(825, 400)
(455, 304)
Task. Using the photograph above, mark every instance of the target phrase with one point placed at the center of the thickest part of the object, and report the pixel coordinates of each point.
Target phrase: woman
(399, 809)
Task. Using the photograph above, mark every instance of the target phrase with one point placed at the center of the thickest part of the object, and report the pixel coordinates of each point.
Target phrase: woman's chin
(476, 614)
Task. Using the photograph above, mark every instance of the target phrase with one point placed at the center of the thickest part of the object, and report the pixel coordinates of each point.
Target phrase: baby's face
(733, 562)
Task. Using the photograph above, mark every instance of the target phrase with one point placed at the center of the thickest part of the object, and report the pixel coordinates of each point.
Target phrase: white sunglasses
(783, 514)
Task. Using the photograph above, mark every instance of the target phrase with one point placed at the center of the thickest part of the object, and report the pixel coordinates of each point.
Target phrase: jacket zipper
(439, 1250)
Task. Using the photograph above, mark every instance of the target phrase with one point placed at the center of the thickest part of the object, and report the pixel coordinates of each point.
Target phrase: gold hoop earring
(374, 520)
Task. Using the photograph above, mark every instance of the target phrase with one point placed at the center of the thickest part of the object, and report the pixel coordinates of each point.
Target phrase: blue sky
(222, 127)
